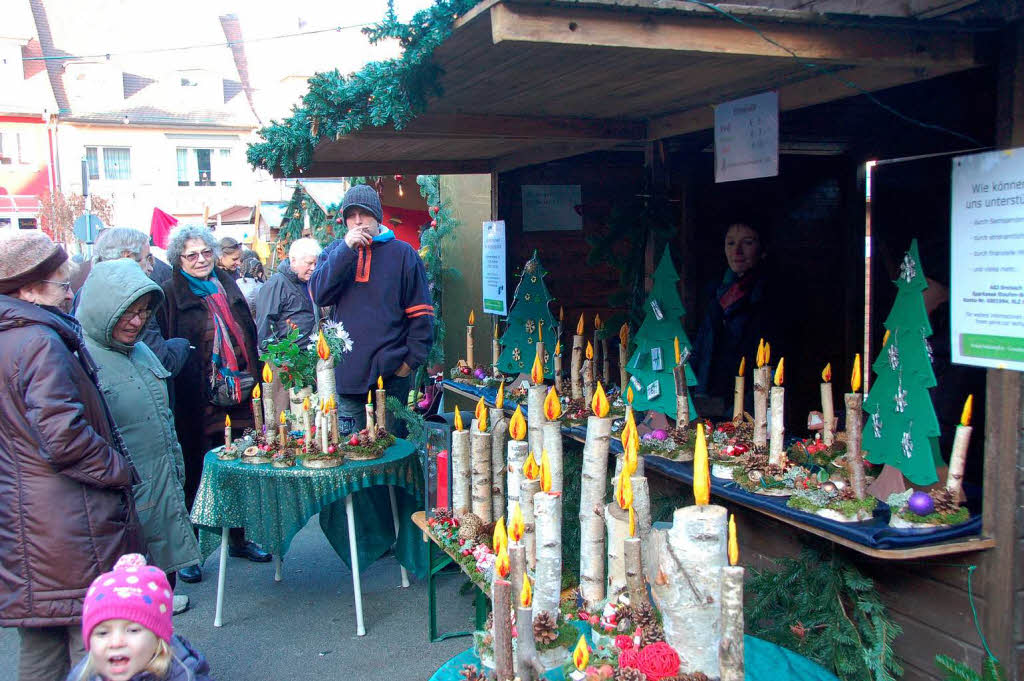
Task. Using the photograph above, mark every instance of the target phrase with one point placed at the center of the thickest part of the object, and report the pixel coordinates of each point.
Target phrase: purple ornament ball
(646, 436)
(480, 374)
(659, 434)
(921, 504)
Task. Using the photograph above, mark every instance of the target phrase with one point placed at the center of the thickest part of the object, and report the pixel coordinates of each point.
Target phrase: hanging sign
(987, 259)
(495, 295)
(747, 138)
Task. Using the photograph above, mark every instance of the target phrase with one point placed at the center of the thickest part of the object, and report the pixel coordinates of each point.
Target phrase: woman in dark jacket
(203, 304)
(66, 483)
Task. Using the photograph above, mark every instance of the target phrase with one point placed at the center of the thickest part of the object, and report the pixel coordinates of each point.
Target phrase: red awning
(19, 203)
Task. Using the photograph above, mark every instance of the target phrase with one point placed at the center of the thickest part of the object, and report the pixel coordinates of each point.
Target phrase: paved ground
(304, 627)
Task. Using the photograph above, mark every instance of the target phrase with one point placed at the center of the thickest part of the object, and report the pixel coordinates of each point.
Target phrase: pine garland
(382, 93)
(823, 608)
(432, 243)
(323, 225)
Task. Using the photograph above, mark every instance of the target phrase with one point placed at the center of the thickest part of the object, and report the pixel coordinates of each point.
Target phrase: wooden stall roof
(527, 82)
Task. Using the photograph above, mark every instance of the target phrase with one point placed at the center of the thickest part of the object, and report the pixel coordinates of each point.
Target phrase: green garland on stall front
(390, 92)
(432, 247)
(322, 224)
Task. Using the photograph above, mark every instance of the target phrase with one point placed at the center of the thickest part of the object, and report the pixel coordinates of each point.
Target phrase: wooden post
(682, 396)
(636, 587)
(480, 454)
(501, 600)
(530, 667)
(548, 588)
(731, 648)
(854, 458)
(551, 432)
(461, 473)
(499, 440)
(517, 562)
(380, 403)
(616, 521)
(517, 452)
(591, 515)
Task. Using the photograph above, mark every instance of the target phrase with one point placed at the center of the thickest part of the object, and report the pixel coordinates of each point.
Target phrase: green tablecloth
(273, 504)
(764, 661)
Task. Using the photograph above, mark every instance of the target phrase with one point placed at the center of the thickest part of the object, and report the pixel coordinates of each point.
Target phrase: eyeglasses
(66, 285)
(192, 257)
(143, 315)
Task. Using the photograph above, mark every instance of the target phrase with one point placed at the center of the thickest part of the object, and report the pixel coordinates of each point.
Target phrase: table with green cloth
(273, 504)
(763, 661)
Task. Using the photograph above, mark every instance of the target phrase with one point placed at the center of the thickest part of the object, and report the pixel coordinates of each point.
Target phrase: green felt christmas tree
(528, 313)
(652, 361)
(901, 428)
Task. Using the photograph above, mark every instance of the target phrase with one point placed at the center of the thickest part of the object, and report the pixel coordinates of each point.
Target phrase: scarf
(226, 334)
(735, 288)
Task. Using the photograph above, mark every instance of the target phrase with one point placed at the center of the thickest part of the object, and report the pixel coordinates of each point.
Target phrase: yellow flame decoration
(579, 326)
(701, 479)
(581, 655)
(965, 415)
(545, 471)
(517, 426)
(855, 374)
(599, 405)
(526, 595)
(734, 546)
(499, 401)
(826, 373)
(552, 405)
(268, 375)
(779, 372)
(458, 419)
(256, 394)
(530, 468)
(516, 527)
(743, 367)
(472, 318)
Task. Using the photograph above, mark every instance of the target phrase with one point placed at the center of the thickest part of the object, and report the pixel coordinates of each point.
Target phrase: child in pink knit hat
(126, 627)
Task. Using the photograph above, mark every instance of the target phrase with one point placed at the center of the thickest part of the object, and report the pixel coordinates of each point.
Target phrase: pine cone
(629, 674)
(650, 628)
(469, 672)
(944, 500)
(485, 535)
(545, 628)
(693, 676)
(652, 634)
(443, 513)
(469, 526)
(756, 461)
(679, 435)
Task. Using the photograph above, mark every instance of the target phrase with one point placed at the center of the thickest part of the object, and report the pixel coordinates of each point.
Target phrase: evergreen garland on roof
(382, 93)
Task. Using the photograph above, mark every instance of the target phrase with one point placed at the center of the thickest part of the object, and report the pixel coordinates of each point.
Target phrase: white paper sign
(552, 207)
(493, 262)
(747, 138)
(987, 260)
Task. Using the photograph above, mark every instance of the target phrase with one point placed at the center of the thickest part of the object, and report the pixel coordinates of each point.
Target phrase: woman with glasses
(204, 306)
(65, 477)
(117, 301)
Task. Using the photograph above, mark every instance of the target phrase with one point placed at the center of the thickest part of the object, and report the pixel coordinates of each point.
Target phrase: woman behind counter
(741, 310)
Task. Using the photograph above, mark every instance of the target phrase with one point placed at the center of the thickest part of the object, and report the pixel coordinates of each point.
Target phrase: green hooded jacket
(133, 383)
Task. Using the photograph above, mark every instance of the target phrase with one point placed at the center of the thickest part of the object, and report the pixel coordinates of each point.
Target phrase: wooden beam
(548, 152)
(497, 126)
(689, 34)
(395, 166)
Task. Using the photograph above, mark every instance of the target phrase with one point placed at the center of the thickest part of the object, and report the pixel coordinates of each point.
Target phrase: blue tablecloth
(763, 661)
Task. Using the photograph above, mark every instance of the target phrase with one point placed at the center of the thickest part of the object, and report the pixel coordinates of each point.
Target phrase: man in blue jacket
(377, 286)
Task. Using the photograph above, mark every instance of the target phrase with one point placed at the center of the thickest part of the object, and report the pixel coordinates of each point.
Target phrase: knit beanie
(27, 257)
(133, 591)
(363, 196)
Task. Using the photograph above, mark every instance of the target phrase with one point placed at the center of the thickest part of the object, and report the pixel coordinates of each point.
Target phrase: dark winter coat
(188, 660)
(67, 513)
(380, 294)
(134, 385)
(282, 299)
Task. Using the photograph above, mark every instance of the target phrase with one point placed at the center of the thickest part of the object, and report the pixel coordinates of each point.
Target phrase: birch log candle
(499, 443)
(958, 458)
(535, 395)
(517, 450)
(616, 519)
(588, 374)
(461, 469)
(529, 487)
(730, 652)
(558, 366)
(854, 458)
(547, 510)
(828, 414)
(561, 321)
(307, 425)
(776, 449)
(632, 550)
(682, 391)
(335, 434)
(501, 607)
(469, 341)
(227, 433)
(516, 549)
(606, 363)
(495, 351)
(371, 426)
(760, 398)
(282, 432)
(530, 667)
(257, 409)
(591, 515)
(576, 366)
(480, 455)
(381, 404)
(323, 429)
(596, 346)
(642, 511)
(738, 393)
(269, 408)
(551, 445)
(539, 347)
(623, 355)
(325, 385)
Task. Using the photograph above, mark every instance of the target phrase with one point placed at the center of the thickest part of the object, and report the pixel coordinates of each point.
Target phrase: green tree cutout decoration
(663, 323)
(529, 311)
(901, 428)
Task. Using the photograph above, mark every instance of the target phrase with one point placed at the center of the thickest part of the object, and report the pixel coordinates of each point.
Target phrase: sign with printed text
(493, 260)
(747, 138)
(987, 259)
(552, 207)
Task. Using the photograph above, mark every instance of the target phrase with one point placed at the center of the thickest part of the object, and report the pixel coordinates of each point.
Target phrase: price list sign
(747, 138)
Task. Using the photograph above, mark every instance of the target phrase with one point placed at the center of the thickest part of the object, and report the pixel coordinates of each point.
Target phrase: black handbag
(222, 394)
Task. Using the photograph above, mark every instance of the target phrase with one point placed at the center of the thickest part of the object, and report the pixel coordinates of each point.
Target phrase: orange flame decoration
(779, 372)
(855, 374)
(597, 322)
(537, 371)
(481, 409)
(500, 539)
(495, 329)
(885, 338)
(268, 375)
(458, 419)
(965, 415)
(256, 394)
(558, 348)
(227, 421)
(599, 405)
(632, 522)
(826, 373)
(552, 405)
(499, 401)
(743, 367)
(540, 331)
(760, 354)
(701, 479)
(516, 527)
(526, 595)
(305, 404)
(369, 397)
(481, 423)
(517, 426)
(624, 335)
(581, 655)
(545, 471)
(502, 566)
(629, 458)
(283, 419)
(767, 353)
(323, 350)
(380, 382)
(590, 351)
(561, 313)
(734, 546)
(472, 319)
(675, 346)
(629, 394)
(579, 326)
(629, 430)
(530, 468)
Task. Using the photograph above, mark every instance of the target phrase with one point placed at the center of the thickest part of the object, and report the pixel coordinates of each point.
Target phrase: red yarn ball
(623, 642)
(630, 658)
(658, 661)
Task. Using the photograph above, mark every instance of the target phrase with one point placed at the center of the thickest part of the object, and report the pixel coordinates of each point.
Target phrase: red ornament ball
(354, 440)
(339, 220)
(433, 224)
(398, 178)
(464, 370)
(330, 449)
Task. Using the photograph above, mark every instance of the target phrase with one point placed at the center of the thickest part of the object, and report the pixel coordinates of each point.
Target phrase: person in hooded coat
(116, 302)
